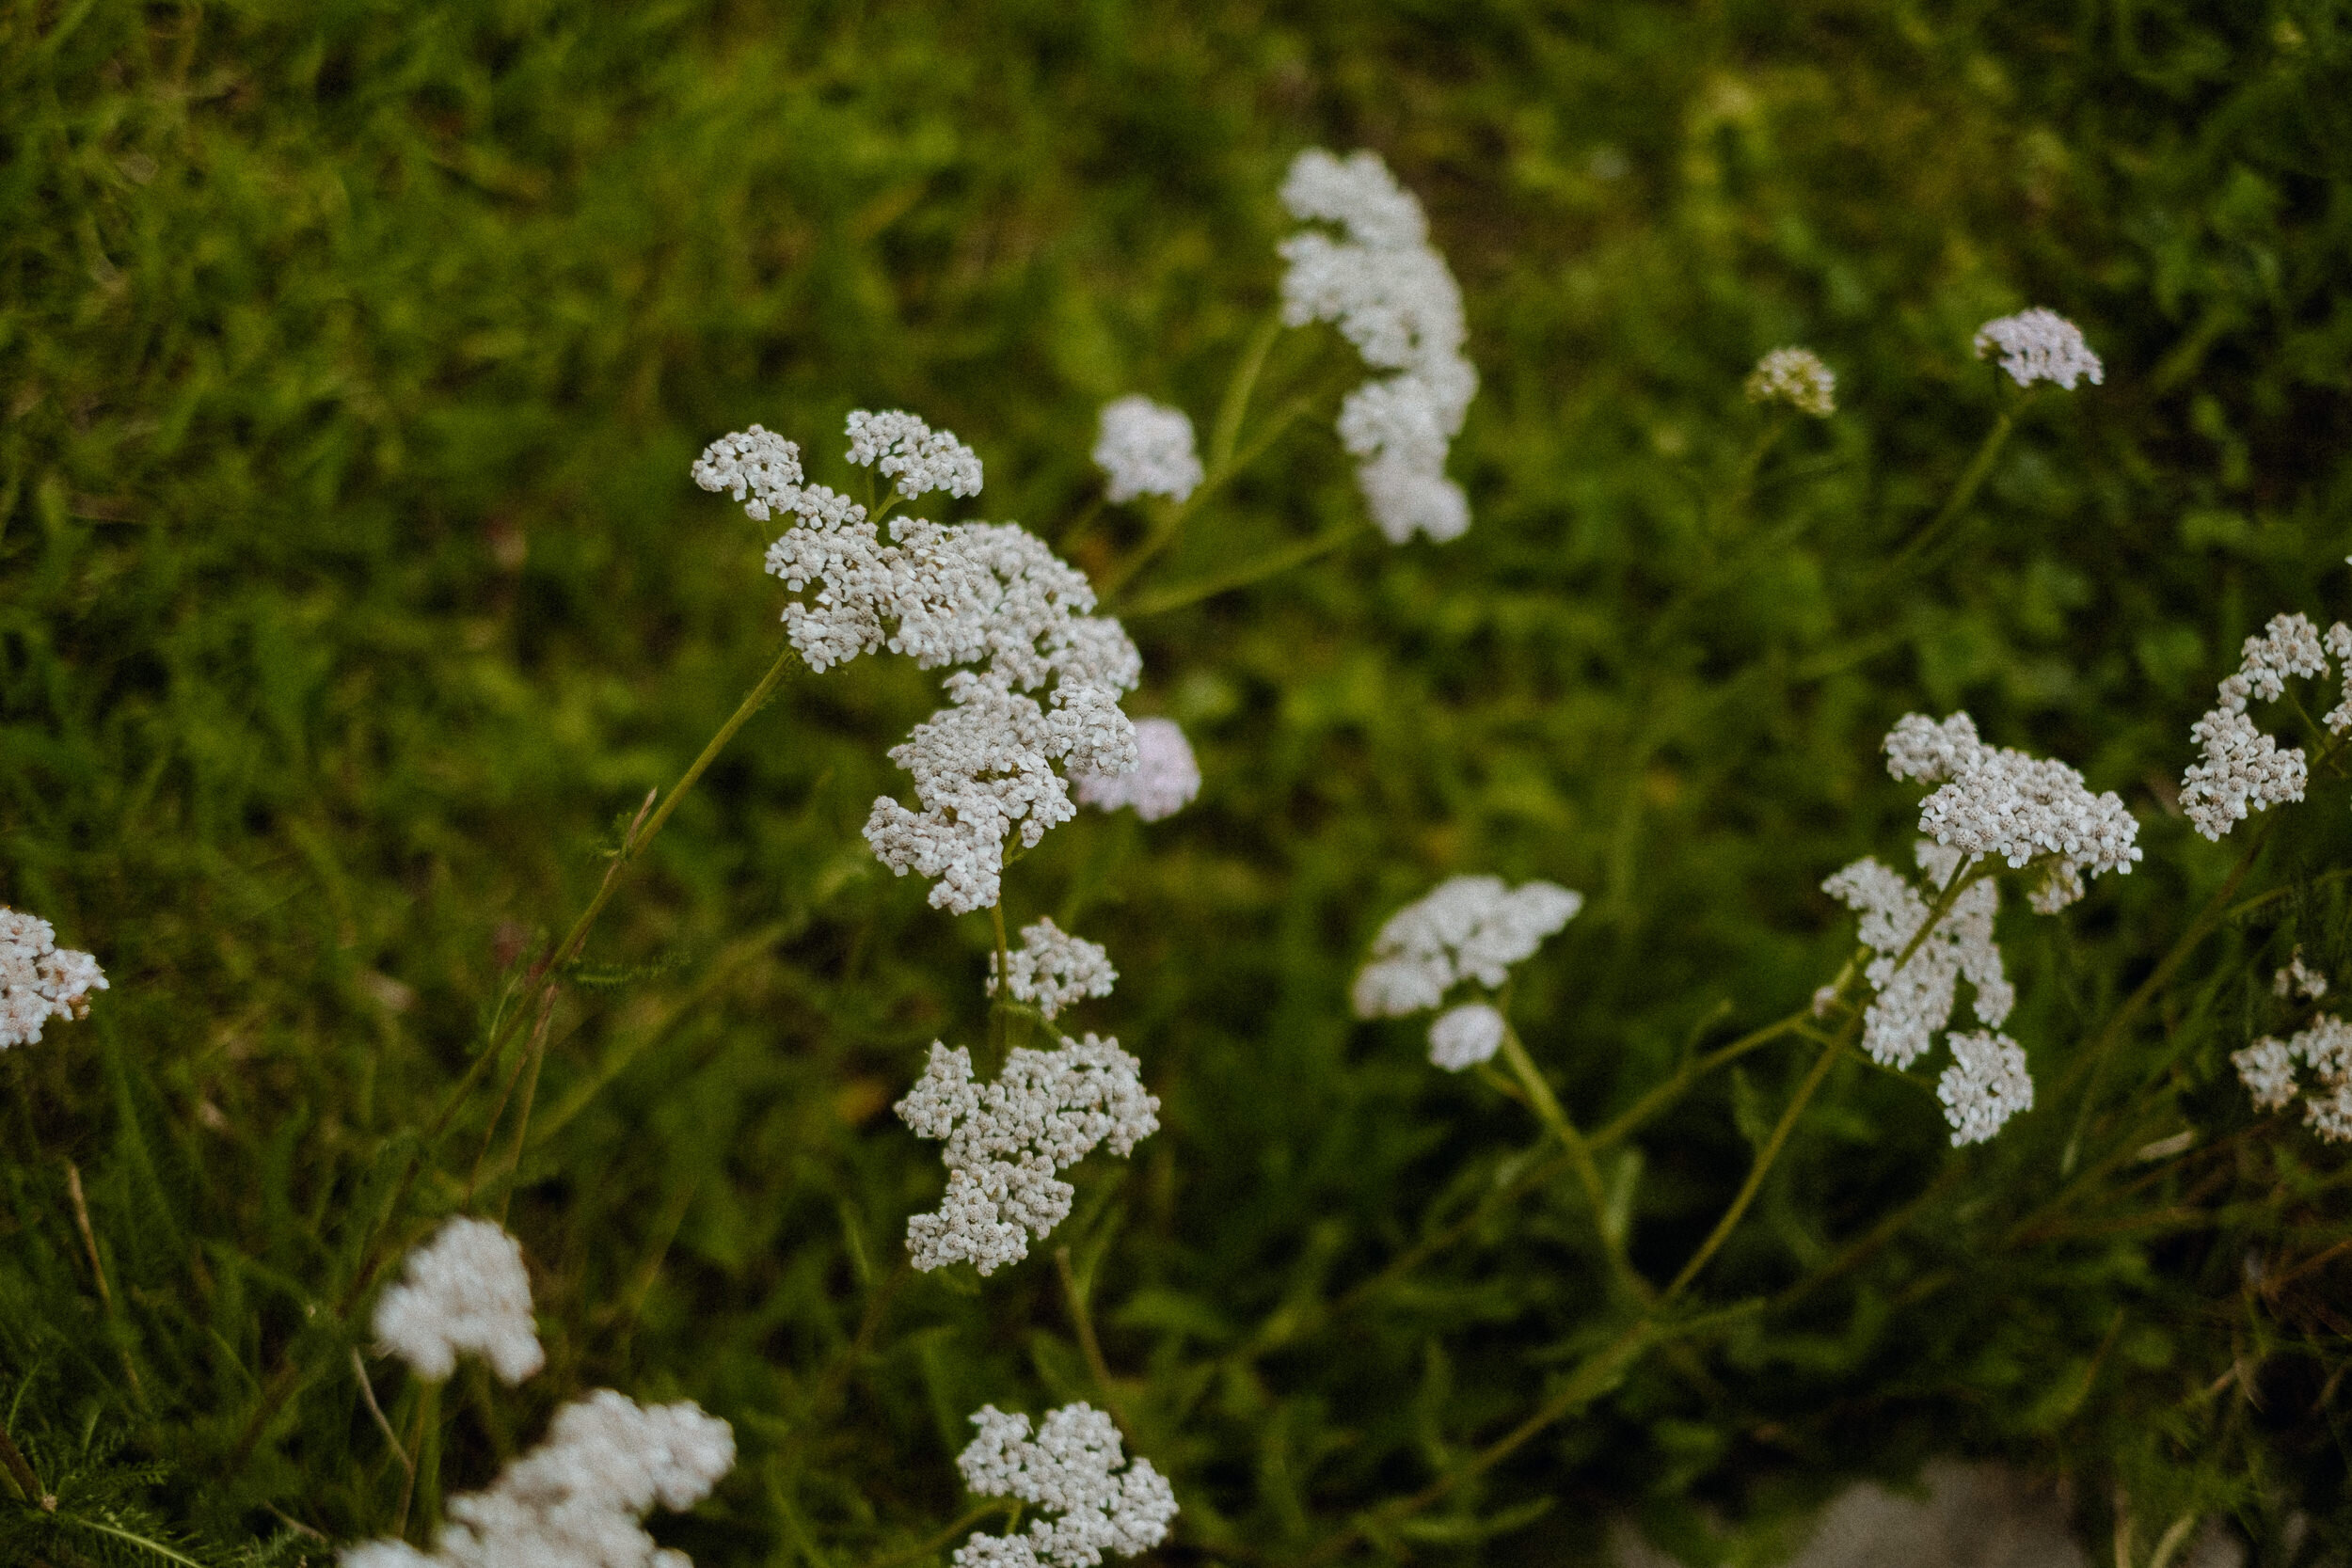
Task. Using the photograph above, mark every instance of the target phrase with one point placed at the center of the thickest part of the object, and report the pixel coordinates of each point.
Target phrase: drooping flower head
(986, 595)
(1393, 298)
(1165, 780)
(1072, 1471)
(1147, 449)
(1052, 969)
(1797, 378)
(2240, 768)
(576, 1499)
(1468, 929)
(1006, 1140)
(2040, 345)
(463, 1291)
(39, 980)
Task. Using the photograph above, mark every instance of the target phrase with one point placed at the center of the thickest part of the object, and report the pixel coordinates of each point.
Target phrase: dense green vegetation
(352, 595)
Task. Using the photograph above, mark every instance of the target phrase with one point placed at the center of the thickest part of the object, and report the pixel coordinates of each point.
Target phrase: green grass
(352, 595)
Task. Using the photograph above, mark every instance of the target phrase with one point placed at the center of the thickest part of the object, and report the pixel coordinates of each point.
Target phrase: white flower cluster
(2243, 770)
(2040, 345)
(1395, 299)
(39, 980)
(1467, 929)
(464, 1291)
(979, 593)
(1069, 1469)
(1053, 969)
(1147, 449)
(1915, 1000)
(576, 1499)
(913, 456)
(2266, 1067)
(1006, 1140)
(1985, 1086)
(2000, 802)
(2309, 984)
(1797, 377)
(1164, 782)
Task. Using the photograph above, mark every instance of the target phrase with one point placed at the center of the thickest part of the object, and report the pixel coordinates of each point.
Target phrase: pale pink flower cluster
(1147, 449)
(39, 980)
(980, 593)
(1468, 929)
(1393, 298)
(2266, 1067)
(2000, 801)
(2241, 769)
(463, 1291)
(1007, 1140)
(2040, 345)
(1163, 781)
(1052, 969)
(1071, 1470)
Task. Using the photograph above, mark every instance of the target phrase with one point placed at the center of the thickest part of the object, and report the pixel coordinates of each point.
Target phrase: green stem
(1000, 995)
(1257, 571)
(1088, 1345)
(975, 1517)
(1971, 479)
(1765, 1156)
(1579, 1154)
(1174, 517)
(1236, 406)
(19, 1471)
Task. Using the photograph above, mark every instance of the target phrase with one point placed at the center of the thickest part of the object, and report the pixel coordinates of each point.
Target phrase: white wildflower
(913, 455)
(1006, 1140)
(2309, 984)
(2040, 345)
(1165, 780)
(576, 1499)
(763, 469)
(1393, 298)
(1071, 1470)
(2266, 1067)
(2000, 801)
(1466, 1035)
(1053, 969)
(1914, 1000)
(39, 980)
(1147, 449)
(2240, 768)
(464, 1291)
(1468, 929)
(1985, 1086)
(1797, 377)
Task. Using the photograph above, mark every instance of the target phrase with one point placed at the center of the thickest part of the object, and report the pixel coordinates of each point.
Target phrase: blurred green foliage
(352, 595)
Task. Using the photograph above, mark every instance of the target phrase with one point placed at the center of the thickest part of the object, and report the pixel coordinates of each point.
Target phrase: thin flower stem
(1088, 1346)
(1765, 1156)
(1257, 571)
(1000, 990)
(98, 1271)
(971, 1520)
(1971, 479)
(1579, 1152)
(367, 1393)
(1173, 519)
(1236, 406)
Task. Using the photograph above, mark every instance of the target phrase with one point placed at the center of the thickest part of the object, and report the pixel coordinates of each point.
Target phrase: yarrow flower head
(1006, 1140)
(576, 1499)
(988, 594)
(1165, 780)
(913, 456)
(2266, 1067)
(464, 1291)
(2040, 345)
(1797, 377)
(39, 980)
(1985, 1086)
(1052, 969)
(1069, 1469)
(1395, 299)
(2241, 769)
(1913, 998)
(2309, 984)
(1147, 449)
(1466, 1035)
(2000, 802)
